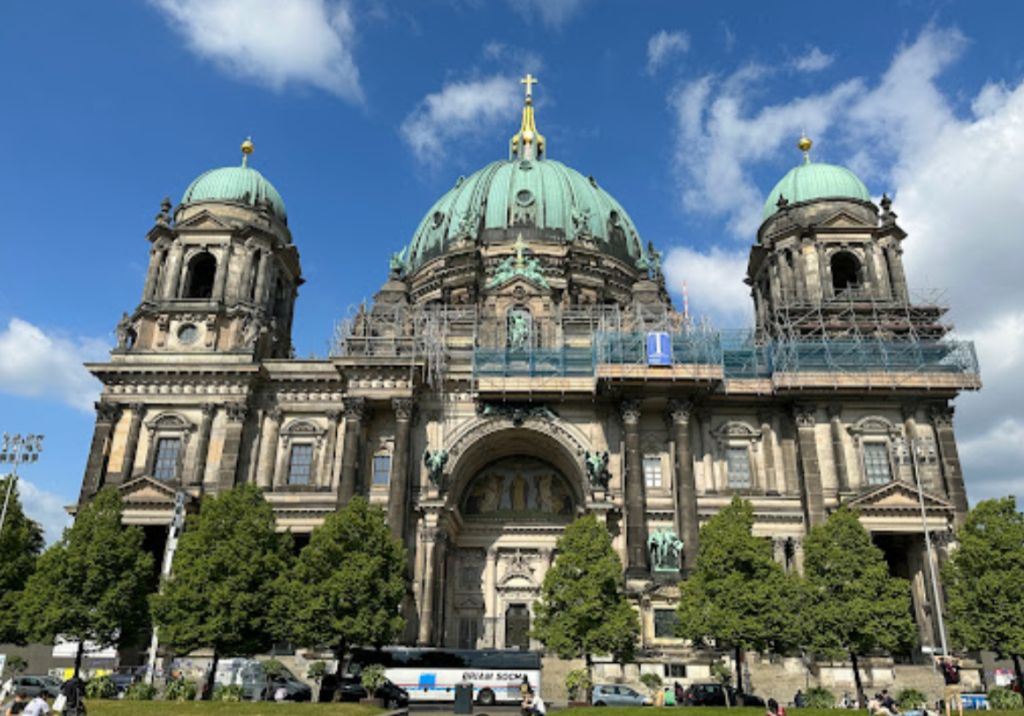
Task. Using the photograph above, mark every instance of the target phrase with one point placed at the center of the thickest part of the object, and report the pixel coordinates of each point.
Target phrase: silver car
(618, 695)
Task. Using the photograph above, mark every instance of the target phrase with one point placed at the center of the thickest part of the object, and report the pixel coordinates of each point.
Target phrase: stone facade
(502, 387)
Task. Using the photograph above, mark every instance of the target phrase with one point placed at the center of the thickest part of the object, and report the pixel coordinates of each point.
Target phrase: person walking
(670, 696)
(39, 706)
(73, 691)
(950, 668)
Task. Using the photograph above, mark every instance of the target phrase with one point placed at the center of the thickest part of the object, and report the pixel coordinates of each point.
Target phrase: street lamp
(15, 451)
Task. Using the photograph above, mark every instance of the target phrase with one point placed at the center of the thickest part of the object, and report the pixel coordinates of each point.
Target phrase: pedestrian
(798, 700)
(670, 696)
(950, 668)
(73, 691)
(17, 706)
(680, 694)
(38, 706)
(774, 709)
(533, 705)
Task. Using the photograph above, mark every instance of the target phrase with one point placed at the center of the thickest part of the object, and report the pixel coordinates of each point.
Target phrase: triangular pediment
(898, 495)
(841, 219)
(524, 284)
(147, 491)
(203, 220)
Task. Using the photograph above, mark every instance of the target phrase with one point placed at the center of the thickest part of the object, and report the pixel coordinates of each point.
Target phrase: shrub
(910, 699)
(1000, 699)
(229, 693)
(16, 665)
(818, 697)
(181, 689)
(578, 684)
(373, 678)
(651, 681)
(101, 688)
(140, 692)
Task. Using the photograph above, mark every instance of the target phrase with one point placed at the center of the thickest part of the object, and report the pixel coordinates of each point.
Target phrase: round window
(188, 334)
(525, 165)
(524, 197)
(438, 219)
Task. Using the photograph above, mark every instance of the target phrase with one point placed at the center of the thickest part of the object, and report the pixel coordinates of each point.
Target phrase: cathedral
(523, 364)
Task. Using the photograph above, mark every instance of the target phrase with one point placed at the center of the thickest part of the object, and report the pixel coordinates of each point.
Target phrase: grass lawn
(200, 708)
(719, 711)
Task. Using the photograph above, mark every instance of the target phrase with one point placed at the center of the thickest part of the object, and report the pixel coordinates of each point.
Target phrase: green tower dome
(241, 184)
(548, 196)
(812, 180)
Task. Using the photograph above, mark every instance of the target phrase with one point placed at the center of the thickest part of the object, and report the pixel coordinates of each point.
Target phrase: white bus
(432, 674)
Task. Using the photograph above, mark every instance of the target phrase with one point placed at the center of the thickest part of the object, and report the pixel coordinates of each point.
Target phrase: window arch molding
(873, 434)
(169, 435)
(737, 445)
(301, 441)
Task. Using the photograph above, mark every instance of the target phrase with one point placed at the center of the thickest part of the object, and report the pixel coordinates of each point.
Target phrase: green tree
(93, 584)
(347, 586)
(984, 581)
(21, 543)
(851, 604)
(582, 610)
(226, 575)
(738, 597)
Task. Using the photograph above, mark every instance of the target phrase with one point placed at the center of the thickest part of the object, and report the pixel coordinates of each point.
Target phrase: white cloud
(814, 61)
(460, 111)
(44, 507)
(663, 46)
(513, 56)
(273, 42)
(714, 284)
(35, 364)
(955, 181)
(552, 12)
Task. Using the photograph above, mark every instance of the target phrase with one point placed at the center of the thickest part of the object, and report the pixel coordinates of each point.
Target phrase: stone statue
(397, 263)
(251, 329)
(654, 258)
(597, 468)
(580, 222)
(435, 463)
(518, 331)
(125, 332)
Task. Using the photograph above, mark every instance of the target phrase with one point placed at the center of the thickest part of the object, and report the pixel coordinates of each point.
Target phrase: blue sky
(364, 112)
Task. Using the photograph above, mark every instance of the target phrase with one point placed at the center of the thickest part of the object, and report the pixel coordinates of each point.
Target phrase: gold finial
(529, 143)
(805, 145)
(247, 149)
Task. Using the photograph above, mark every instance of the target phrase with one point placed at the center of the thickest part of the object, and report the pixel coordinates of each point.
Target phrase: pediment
(841, 220)
(147, 491)
(203, 220)
(520, 286)
(898, 496)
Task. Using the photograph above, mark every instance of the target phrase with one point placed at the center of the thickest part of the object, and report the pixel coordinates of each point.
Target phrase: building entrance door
(517, 627)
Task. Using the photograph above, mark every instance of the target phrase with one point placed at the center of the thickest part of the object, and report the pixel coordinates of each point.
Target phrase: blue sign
(659, 349)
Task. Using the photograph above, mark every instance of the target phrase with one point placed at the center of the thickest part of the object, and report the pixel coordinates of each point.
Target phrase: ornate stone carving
(941, 415)
(333, 416)
(403, 408)
(355, 409)
(107, 412)
(516, 412)
(209, 410)
(126, 333)
(597, 468)
(630, 411)
(909, 410)
(766, 416)
(237, 412)
(835, 410)
(805, 415)
(435, 463)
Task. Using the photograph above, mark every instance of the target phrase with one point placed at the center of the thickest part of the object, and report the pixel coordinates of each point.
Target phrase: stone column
(107, 415)
(786, 276)
(491, 599)
(636, 537)
(261, 277)
(131, 445)
(355, 411)
(798, 554)
(835, 413)
(872, 272)
(157, 254)
(220, 278)
(894, 256)
(814, 503)
(791, 478)
(268, 455)
(949, 459)
(768, 446)
(203, 447)
(236, 414)
(775, 285)
(779, 550)
(173, 273)
(398, 489)
(707, 457)
(327, 467)
(429, 536)
(687, 520)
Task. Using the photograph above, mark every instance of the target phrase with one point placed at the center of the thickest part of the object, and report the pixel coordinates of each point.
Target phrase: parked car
(618, 695)
(249, 674)
(714, 695)
(350, 688)
(34, 686)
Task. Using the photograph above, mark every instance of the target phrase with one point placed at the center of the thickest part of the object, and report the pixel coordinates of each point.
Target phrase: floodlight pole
(16, 450)
(177, 525)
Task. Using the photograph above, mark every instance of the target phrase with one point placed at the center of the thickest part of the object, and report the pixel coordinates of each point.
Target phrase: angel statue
(597, 468)
(435, 463)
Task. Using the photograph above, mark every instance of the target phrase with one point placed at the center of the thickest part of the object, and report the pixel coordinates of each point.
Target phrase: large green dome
(240, 184)
(559, 202)
(812, 180)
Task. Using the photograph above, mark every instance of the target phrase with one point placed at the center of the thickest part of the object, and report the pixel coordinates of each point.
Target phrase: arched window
(201, 271)
(845, 272)
(254, 276)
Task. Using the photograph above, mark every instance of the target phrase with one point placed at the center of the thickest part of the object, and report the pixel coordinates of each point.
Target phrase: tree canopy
(738, 596)
(348, 584)
(21, 543)
(851, 604)
(984, 581)
(93, 584)
(225, 577)
(582, 610)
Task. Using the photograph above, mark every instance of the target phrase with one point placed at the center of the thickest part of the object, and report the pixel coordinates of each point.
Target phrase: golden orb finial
(805, 145)
(247, 149)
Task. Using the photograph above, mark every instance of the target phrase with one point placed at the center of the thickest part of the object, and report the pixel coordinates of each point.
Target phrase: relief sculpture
(518, 486)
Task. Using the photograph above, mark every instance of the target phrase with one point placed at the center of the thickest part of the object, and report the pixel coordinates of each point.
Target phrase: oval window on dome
(524, 197)
(525, 165)
(188, 334)
(438, 219)
(614, 218)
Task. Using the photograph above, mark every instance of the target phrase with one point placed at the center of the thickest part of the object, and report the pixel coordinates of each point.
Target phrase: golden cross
(519, 245)
(529, 81)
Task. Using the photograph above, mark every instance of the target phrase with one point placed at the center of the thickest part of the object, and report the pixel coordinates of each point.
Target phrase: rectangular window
(652, 471)
(165, 467)
(468, 630)
(739, 468)
(300, 465)
(876, 463)
(675, 671)
(381, 469)
(665, 623)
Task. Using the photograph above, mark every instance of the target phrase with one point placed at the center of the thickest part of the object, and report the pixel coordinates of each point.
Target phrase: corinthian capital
(680, 410)
(355, 408)
(630, 410)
